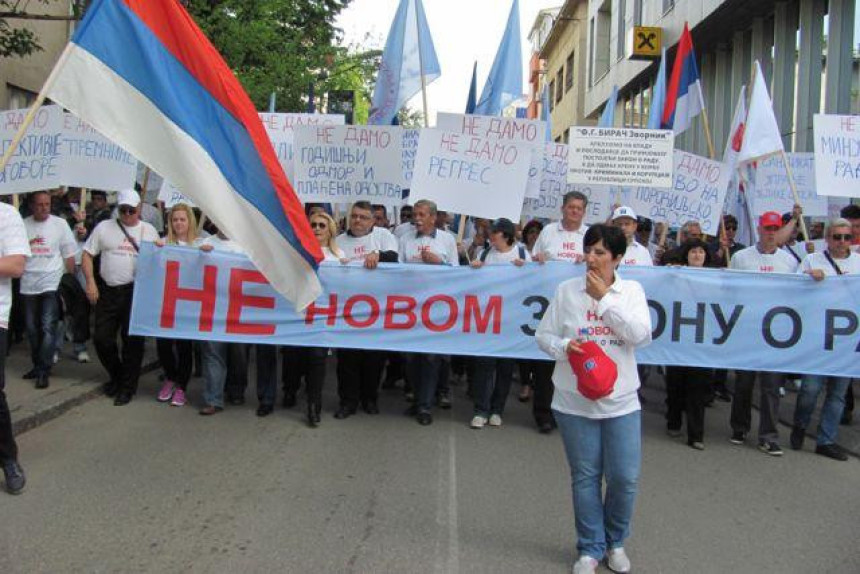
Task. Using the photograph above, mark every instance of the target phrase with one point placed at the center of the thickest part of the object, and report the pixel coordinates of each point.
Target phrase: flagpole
(794, 193)
(421, 65)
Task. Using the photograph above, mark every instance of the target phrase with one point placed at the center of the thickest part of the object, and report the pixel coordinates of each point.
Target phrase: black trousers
(544, 390)
(75, 307)
(237, 371)
(849, 398)
(176, 360)
(113, 313)
(308, 363)
(687, 392)
(8, 448)
(358, 375)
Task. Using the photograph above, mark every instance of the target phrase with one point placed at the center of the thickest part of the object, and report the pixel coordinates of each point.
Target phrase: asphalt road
(152, 488)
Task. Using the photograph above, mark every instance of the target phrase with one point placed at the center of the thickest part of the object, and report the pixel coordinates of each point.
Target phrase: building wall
(22, 78)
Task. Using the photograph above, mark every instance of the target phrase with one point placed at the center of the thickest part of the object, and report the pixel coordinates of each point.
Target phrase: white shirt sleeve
(68, 244)
(548, 332)
(92, 246)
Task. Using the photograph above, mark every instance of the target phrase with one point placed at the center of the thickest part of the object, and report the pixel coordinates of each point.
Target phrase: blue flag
(544, 112)
(408, 46)
(658, 96)
(607, 118)
(505, 82)
(472, 100)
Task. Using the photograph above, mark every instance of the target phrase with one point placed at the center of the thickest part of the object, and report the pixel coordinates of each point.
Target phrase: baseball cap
(595, 372)
(623, 211)
(770, 219)
(128, 197)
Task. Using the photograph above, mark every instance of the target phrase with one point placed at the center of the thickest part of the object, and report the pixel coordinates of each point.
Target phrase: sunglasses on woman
(318, 225)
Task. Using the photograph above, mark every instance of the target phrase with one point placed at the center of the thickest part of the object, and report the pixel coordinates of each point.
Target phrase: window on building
(559, 81)
(568, 79)
(621, 29)
(551, 98)
(19, 98)
(600, 41)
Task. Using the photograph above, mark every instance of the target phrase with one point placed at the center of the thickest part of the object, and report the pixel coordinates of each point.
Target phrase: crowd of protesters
(81, 264)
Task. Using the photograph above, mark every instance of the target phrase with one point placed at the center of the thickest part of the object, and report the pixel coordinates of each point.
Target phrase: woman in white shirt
(602, 437)
(175, 355)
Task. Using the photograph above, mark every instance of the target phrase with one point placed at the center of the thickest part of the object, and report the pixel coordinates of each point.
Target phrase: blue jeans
(599, 449)
(831, 410)
(214, 372)
(41, 314)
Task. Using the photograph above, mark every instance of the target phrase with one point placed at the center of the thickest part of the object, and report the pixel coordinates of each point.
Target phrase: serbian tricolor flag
(143, 74)
(684, 99)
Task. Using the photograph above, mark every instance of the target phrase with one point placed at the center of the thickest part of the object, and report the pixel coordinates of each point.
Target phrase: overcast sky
(463, 31)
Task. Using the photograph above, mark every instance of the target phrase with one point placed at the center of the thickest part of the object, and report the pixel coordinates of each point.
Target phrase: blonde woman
(325, 230)
(174, 354)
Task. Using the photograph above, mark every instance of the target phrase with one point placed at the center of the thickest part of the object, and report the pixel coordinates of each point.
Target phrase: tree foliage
(16, 40)
(354, 69)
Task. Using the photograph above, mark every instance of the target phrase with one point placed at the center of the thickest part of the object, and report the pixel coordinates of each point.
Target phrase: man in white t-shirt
(562, 241)
(763, 257)
(625, 218)
(429, 246)
(359, 371)
(53, 249)
(118, 242)
(14, 251)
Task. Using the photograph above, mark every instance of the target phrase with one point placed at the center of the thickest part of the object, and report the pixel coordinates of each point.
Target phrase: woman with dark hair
(591, 328)
(688, 388)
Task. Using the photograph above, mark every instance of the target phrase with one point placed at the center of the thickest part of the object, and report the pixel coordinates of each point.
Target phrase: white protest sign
(772, 191)
(154, 183)
(554, 185)
(698, 193)
(172, 196)
(93, 161)
(281, 131)
(349, 163)
(471, 175)
(517, 130)
(37, 163)
(835, 205)
(410, 150)
(837, 155)
(621, 156)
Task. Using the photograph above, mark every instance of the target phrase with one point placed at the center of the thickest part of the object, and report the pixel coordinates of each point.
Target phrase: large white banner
(621, 156)
(772, 191)
(344, 164)
(837, 154)
(281, 129)
(37, 163)
(517, 130)
(91, 160)
(471, 175)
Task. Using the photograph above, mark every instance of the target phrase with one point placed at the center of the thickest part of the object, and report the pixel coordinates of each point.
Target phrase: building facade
(537, 38)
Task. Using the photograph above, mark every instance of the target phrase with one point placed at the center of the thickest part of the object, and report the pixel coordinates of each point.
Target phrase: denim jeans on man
(41, 313)
(831, 410)
(599, 449)
(221, 362)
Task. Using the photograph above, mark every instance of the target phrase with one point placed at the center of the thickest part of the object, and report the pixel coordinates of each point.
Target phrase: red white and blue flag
(143, 74)
(684, 99)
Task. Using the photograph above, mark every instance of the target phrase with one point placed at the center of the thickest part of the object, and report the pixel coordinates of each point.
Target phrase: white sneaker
(478, 422)
(617, 561)
(495, 421)
(83, 357)
(585, 565)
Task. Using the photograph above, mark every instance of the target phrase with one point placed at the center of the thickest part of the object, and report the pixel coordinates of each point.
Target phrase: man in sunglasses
(721, 244)
(837, 259)
(118, 242)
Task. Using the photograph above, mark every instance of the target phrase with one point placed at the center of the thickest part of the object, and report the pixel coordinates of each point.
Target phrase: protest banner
(344, 164)
(837, 154)
(471, 175)
(517, 130)
(410, 150)
(281, 130)
(710, 318)
(170, 196)
(621, 156)
(91, 160)
(554, 185)
(698, 193)
(772, 191)
(37, 162)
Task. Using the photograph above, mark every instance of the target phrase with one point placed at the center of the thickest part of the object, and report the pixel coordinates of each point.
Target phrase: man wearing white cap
(118, 242)
(624, 218)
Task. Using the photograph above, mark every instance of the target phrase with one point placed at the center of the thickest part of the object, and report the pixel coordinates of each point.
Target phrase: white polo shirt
(13, 241)
(751, 259)
(51, 243)
(849, 265)
(560, 245)
(358, 248)
(439, 242)
(119, 257)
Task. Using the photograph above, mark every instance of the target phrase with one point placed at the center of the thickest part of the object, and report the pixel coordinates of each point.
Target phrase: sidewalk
(72, 384)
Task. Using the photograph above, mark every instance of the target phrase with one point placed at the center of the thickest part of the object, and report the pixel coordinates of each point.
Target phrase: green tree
(279, 46)
(17, 40)
(354, 69)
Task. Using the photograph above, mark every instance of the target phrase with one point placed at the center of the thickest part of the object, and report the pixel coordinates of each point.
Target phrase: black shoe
(796, 438)
(265, 410)
(344, 413)
(444, 400)
(545, 427)
(313, 415)
(236, 401)
(771, 448)
(289, 400)
(30, 375)
(738, 437)
(109, 389)
(371, 408)
(122, 399)
(831, 451)
(15, 479)
(42, 382)
(847, 416)
(424, 419)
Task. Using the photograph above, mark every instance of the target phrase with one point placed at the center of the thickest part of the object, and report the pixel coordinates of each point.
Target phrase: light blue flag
(505, 82)
(399, 76)
(607, 118)
(544, 112)
(658, 96)
(472, 100)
